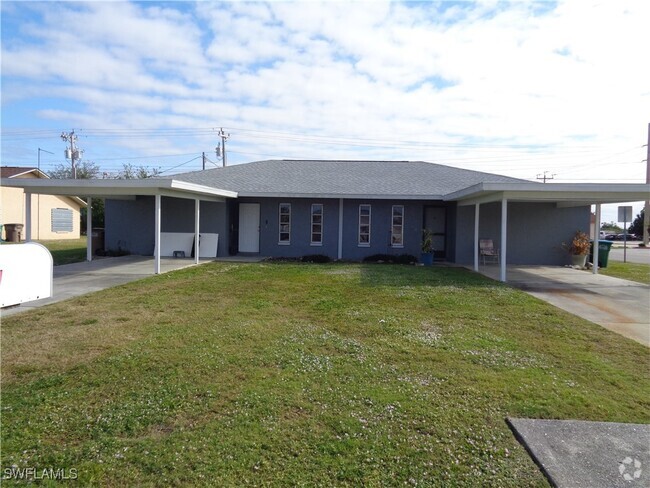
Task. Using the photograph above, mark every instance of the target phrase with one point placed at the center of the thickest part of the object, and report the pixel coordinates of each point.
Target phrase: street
(635, 254)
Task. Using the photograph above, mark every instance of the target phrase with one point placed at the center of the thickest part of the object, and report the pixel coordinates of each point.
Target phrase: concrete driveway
(71, 280)
(618, 305)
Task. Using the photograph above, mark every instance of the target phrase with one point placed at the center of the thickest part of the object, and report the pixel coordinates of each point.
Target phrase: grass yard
(628, 271)
(66, 251)
(277, 374)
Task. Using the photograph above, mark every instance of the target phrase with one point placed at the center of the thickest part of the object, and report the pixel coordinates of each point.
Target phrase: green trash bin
(603, 253)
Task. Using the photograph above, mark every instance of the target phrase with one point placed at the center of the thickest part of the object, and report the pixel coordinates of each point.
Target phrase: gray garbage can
(14, 232)
(98, 239)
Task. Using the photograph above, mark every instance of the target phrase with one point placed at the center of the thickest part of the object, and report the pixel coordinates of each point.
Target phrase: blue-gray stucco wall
(381, 214)
(129, 224)
(535, 231)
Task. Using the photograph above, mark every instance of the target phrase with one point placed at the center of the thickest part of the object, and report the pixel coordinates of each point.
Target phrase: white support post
(596, 239)
(197, 204)
(476, 233)
(156, 265)
(28, 216)
(89, 230)
(340, 250)
(504, 239)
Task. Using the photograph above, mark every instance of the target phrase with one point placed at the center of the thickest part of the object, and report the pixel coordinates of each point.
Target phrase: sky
(515, 88)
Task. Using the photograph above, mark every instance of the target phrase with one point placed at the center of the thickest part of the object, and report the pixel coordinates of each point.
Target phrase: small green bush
(315, 258)
(390, 259)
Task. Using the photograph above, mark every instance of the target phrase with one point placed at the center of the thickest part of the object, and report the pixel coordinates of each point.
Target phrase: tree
(85, 170)
(130, 172)
(637, 224)
(611, 228)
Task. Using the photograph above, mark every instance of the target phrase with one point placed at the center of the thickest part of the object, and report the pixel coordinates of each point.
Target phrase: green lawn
(66, 251)
(277, 374)
(628, 271)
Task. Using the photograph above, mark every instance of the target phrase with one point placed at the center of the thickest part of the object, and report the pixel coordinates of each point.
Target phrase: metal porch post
(197, 205)
(504, 239)
(89, 230)
(340, 250)
(28, 216)
(596, 239)
(156, 265)
(476, 231)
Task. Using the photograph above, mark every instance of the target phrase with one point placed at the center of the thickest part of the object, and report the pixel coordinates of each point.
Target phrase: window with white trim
(317, 224)
(397, 226)
(364, 225)
(285, 223)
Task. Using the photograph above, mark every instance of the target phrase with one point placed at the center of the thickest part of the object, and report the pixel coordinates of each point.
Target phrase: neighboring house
(53, 216)
(348, 210)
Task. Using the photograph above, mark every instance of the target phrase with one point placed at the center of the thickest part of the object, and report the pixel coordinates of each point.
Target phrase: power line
(179, 165)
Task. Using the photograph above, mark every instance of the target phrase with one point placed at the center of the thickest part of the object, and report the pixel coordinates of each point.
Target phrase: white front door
(249, 227)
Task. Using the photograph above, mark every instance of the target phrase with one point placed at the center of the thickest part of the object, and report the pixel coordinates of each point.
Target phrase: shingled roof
(12, 171)
(341, 179)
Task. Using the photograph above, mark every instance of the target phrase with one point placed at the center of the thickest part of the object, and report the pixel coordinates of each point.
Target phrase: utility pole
(73, 154)
(544, 177)
(646, 212)
(223, 136)
(204, 161)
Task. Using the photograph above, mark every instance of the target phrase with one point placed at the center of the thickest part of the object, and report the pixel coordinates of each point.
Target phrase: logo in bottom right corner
(630, 469)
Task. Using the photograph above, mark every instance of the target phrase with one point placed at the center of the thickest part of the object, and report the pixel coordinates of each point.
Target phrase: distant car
(611, 237)
(623, 237)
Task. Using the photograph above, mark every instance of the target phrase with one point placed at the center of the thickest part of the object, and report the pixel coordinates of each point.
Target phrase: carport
(560, 194)
(123, 190)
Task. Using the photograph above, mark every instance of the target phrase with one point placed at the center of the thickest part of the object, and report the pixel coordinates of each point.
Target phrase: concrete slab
(618, 305)
(575, 453)
(76, 279)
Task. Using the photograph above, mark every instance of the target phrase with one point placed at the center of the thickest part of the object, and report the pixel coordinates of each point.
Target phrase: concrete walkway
(618, 305)
(71, 280)
(575, 453)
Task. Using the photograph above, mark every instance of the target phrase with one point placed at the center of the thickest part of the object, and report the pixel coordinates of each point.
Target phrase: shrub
(390, 259)
(315, 258)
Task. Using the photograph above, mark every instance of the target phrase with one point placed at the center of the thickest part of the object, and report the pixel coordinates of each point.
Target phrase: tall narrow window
(364, 225)
(397, 227)
(285, 224)
(317, 224)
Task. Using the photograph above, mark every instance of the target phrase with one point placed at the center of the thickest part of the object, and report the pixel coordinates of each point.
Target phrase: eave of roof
(576, 193)
(120, 188)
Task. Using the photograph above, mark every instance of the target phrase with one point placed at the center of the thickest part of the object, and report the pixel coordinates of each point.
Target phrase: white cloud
(571, 78)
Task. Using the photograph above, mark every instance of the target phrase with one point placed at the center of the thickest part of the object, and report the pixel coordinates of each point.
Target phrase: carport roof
(561, 193)
(120, 188)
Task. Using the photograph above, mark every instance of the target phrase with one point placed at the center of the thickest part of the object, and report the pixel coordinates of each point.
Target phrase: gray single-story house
(345, 210)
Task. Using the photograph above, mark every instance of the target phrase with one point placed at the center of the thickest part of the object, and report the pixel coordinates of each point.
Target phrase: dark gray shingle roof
(341, 178)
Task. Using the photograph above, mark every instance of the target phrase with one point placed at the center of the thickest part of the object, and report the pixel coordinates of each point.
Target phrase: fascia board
(593, 192)
(107, 188)
(336, 196)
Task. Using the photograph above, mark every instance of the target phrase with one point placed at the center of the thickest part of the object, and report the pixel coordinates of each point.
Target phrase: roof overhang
(563, 194)
(120, 188)
(345, 196)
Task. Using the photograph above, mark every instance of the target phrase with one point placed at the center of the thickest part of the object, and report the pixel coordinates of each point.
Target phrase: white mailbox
(25, 273)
